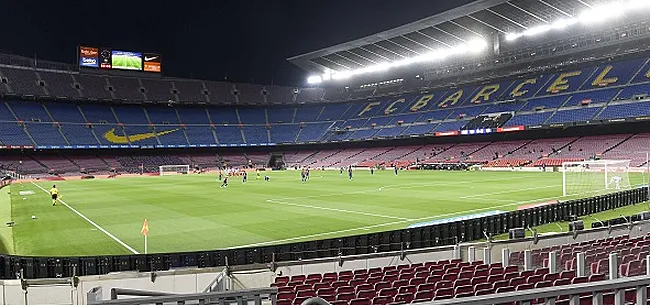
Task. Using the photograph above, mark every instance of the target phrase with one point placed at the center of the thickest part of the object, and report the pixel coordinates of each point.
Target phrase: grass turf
(188, 213)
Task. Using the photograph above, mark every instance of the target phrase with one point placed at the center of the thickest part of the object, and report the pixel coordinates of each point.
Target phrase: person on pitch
(54, 192)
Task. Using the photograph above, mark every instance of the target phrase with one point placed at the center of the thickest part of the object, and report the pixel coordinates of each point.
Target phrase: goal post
(595, 177)
(174, 169)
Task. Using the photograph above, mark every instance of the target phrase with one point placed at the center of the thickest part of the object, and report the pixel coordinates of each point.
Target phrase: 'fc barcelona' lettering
(484, 94)
(391, 108)
(368, 108)
(601, 81)
(454, 98)
(517, 92)
(422, 102)
(561, 83)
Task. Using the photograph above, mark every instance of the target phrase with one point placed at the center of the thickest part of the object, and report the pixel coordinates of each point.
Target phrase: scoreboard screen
(105, 58)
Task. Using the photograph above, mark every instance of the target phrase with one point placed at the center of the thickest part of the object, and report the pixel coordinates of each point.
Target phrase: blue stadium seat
(45, 134)
(13, 134)
(252, 115)
(529, 119)
(198, 135)
(625, 110)
(162, 114)
(256, 135)
(575, 115)
(65, 112)
(229, 135)
(193, 115)
(284, 133)
(281, 114)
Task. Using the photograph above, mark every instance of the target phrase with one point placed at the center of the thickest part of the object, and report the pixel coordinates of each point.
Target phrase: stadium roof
(481, 19)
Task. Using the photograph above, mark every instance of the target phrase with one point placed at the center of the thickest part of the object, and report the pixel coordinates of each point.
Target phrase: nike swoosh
(150, 58)
(113, 138)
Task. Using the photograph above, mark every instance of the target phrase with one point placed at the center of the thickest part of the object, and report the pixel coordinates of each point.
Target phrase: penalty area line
(92, 223)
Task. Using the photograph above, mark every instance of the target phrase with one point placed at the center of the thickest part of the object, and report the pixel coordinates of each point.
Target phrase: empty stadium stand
(612, 91)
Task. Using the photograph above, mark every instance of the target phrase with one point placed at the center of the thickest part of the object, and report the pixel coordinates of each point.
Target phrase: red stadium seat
(366, 294)
(361, 301)
(426, 295)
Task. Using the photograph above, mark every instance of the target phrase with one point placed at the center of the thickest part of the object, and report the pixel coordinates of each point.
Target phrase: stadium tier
(608, 92)
(532, 153)
(406, 283)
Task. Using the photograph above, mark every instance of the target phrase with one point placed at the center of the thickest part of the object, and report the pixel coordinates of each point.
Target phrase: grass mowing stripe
(335, 210)
(92, 222)
(510, 191)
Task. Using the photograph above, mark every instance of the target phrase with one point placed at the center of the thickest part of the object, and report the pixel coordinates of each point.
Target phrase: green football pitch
(189, 213)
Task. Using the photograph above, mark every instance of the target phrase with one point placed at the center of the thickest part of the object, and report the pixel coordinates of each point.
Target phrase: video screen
(107, 58)
(126, 60)
(89, 57)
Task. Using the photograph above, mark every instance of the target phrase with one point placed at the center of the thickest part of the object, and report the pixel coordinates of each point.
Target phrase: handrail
(181, 298)
(641, 281)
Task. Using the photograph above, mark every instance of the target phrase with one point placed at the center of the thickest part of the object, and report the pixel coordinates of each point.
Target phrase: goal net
(595, 177)
(174, 169)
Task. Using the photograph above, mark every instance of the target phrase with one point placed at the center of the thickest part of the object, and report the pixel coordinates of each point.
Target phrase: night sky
(245, 41)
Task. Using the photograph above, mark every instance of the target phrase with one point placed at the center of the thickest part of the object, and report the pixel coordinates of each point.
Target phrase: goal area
(174, 169)
(595, 177)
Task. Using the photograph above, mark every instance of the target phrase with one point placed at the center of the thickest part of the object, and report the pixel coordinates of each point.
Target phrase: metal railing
(551, 294)
(239, 297)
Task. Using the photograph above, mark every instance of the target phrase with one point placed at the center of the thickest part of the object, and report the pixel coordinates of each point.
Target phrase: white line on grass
(393, 186)
(365, 228)
(92, 223)
(335, 210)
(510, 191)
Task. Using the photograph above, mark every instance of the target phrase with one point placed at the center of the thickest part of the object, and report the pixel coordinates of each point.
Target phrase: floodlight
(537, 30)
(315, 79)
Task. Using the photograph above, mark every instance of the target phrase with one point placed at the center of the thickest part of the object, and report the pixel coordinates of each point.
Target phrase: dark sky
(246, 40)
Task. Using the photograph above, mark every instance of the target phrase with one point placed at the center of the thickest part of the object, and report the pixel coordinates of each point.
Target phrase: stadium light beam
(596, 14)
(473, 46)
(315, 79)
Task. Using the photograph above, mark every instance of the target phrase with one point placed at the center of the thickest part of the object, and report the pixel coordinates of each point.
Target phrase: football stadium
(494, 153)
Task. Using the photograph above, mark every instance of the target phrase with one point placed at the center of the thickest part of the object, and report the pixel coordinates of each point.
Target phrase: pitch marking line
(510, 191)
(392, 186)
(336, 210)
(92, 223)
(367, 228)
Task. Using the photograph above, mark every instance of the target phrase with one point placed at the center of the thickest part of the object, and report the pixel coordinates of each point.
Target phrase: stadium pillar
(642, 295)
(505, 257)
(647, 266)
(552, 262)
(471, 254)
(528, 260)
(457, 253)
(597, 298)
(613, 266)
(550, 301)
(487, 256)
(580, 262)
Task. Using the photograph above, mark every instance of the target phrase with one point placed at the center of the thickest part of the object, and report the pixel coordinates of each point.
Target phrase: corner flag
(145, 232)
(145, 228)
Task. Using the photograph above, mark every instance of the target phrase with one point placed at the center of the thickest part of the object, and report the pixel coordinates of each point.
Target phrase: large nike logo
(113, 138)
(150, 58)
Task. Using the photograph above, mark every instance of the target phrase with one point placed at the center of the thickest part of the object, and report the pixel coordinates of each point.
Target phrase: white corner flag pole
(145, 244)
